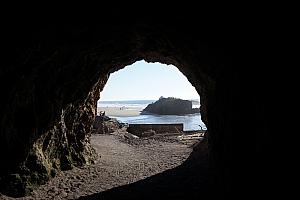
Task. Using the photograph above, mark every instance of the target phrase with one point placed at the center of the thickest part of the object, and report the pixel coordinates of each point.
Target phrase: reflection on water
(190, 122)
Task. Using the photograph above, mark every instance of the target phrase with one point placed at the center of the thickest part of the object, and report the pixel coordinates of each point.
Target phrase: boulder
(105, 125)
(170, 106)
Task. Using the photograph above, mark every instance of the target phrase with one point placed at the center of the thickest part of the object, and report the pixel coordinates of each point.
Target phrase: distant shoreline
(120, 111)
(135, 103)
(133, 115)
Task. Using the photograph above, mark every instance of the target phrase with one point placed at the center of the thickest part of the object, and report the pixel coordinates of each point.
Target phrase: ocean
(128, 103)
(190, 121)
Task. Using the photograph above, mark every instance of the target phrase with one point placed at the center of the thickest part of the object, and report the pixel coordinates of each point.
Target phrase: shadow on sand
(187, 181)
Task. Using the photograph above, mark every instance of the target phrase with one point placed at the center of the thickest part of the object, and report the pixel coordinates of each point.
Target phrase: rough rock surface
(105, 125)
(170, 106)
(51, 74)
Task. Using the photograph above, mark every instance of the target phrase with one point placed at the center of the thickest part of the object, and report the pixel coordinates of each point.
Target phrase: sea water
(190, 121)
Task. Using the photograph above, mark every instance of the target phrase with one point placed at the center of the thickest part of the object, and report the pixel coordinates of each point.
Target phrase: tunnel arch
(58, 79)
(144, 83)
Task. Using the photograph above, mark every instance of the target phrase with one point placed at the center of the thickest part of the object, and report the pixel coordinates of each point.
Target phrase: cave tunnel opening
(51, 74)
(60, 89)
(145, 151)
(130, 90)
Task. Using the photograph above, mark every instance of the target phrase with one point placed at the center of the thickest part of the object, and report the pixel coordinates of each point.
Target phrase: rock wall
(51, 74)
(64, 145)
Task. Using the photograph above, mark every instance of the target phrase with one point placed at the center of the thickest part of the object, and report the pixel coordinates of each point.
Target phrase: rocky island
(170, 106)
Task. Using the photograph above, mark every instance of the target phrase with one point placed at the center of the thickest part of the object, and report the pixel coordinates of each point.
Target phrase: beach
(123, 111)
(120, 161)
(132, 115)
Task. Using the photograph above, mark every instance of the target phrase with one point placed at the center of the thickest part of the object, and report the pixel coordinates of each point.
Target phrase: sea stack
(170, 106)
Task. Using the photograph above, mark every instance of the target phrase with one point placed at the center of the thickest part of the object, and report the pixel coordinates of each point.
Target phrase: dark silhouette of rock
(105, 125)
(52, 72)
(170, 106)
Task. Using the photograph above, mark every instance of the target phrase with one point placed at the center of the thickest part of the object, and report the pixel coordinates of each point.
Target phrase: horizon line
(147, 99)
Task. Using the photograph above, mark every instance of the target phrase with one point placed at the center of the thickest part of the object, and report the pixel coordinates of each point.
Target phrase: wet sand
(121, 111)
(120, 162)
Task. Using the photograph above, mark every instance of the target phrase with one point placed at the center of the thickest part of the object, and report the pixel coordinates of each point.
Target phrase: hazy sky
(147, 81)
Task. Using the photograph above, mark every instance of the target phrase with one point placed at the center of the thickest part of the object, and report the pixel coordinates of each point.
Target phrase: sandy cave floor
(120, 161)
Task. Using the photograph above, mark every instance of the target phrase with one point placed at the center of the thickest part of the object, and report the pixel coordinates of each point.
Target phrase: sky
(147, 81)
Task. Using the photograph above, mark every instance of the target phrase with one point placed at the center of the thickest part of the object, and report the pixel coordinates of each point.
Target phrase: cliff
(170, 106)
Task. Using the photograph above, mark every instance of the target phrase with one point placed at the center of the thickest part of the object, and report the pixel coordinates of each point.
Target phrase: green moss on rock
(16, 185)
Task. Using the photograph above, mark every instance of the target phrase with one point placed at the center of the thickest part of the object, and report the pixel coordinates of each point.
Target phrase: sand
(119, 162)
(121, 111)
